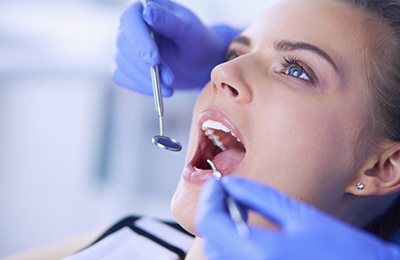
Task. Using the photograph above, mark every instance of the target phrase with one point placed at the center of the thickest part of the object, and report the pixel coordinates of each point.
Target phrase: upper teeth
(214, 125)
(209, 128)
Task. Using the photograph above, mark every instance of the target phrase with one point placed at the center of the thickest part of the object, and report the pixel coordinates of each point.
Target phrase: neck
(196, 251)
(354, 207)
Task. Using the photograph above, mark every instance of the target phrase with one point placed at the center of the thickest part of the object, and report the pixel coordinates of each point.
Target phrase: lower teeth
(215, 140)
(220, 145)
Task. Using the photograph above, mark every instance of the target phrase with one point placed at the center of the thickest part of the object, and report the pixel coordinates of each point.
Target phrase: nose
(229, 79)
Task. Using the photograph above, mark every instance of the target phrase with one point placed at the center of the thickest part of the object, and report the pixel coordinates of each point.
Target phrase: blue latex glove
(305, 232)
(186, 50)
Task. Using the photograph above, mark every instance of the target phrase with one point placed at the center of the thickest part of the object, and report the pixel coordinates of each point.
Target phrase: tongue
(228, 160)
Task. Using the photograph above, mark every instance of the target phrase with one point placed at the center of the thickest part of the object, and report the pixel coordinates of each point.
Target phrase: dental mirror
(167, 143)
(161, 140)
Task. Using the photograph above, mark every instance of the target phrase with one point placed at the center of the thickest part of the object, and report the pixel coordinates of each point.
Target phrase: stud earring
(360, 186)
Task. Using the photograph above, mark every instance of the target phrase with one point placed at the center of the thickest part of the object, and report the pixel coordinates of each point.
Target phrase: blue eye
(297, 69)
(297, 72)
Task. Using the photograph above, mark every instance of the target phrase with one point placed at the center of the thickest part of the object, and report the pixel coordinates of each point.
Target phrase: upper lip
(216, 115)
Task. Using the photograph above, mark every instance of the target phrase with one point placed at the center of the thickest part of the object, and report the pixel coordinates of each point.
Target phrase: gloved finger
(138, 34)
(264, 244)
(222, 252)
(167, 77)
(135, 64)
(128, 49)
(261, 244)
(167, 4)
(136, 83)
(177, 23)
(164, 21)
(213, 252)
(133, 69)
(213, 221)
(137, 77)
(270, 203)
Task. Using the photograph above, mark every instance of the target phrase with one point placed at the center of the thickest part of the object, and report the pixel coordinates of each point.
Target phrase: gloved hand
(185, 49)
(305, 232)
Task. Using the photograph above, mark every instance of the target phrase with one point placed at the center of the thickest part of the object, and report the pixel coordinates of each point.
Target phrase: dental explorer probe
(233, 208)
(161, 140)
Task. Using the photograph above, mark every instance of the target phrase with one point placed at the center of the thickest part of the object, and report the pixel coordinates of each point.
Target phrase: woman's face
(294, 92)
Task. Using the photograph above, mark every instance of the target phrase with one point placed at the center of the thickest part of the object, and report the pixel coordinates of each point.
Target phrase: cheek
(201, 102)
(302, 148)
(184, 202)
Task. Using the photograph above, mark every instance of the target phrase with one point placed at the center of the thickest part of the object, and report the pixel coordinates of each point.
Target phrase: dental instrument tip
(217, 174)
(233, 208)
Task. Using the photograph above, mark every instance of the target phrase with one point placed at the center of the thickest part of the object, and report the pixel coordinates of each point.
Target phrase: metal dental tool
(233, 208)
(161, 140)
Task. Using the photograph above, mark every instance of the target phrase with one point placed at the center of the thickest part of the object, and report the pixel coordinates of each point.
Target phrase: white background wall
(75, 150)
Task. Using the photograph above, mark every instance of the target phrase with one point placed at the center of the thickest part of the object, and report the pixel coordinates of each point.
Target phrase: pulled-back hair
(382, 57)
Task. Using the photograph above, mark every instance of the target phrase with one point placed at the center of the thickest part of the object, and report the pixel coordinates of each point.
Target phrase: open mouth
(220, 141)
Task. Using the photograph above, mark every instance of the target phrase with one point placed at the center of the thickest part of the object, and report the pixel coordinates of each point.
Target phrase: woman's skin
(305, 130)
(310, 140)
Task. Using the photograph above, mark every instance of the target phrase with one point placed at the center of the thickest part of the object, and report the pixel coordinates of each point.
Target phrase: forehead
(328, 24)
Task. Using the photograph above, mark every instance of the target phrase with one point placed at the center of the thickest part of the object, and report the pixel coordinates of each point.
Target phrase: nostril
(234, 91)
(230, 89)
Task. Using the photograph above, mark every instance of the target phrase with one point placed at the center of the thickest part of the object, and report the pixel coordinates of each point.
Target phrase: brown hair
(383, 59)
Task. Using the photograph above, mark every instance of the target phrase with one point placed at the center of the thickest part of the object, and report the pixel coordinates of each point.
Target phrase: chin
(214, 136)
(183, 207)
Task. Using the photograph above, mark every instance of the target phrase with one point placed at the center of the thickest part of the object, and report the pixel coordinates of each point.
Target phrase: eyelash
(287, 63)
(231, 54)
(290, 62)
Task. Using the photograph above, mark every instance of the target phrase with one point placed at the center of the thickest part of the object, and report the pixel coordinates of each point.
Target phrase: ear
(380, 174)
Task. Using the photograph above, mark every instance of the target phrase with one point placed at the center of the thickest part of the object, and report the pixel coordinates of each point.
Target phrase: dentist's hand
(185, 49)
(305, 232)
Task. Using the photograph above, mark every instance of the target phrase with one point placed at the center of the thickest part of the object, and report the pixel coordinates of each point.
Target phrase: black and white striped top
(139, 238)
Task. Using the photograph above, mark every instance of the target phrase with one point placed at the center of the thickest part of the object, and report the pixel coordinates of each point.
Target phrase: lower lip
(192, 176)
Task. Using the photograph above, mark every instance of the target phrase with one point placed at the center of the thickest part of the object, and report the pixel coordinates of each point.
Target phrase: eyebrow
(243, 40)
(291, 46)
